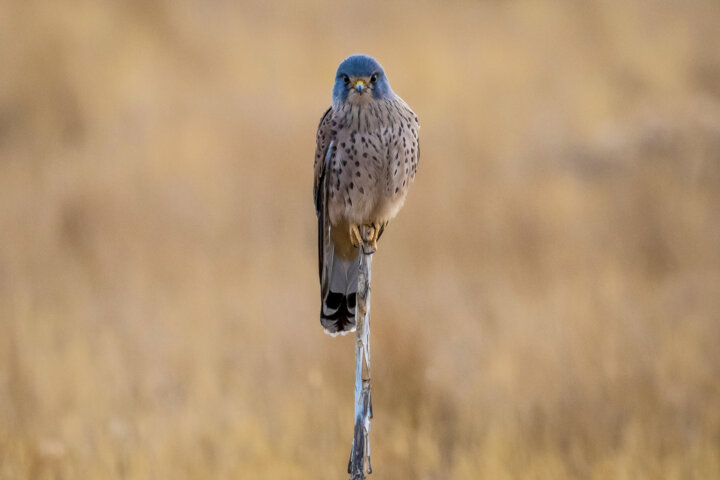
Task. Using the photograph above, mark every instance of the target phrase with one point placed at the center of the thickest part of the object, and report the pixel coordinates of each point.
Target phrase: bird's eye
(373, 79)
(346, 79)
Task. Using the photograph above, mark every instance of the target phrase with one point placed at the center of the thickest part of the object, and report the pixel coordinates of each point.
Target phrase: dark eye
(346, 79)
(373, 79)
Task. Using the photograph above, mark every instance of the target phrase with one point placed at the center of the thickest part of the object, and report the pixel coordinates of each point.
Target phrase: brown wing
(323, 140)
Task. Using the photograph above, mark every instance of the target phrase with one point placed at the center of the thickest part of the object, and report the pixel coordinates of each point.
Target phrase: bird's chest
(371, 164)
(359, 162)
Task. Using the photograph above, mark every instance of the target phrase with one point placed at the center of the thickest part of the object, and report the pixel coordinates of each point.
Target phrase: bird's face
(360, 80)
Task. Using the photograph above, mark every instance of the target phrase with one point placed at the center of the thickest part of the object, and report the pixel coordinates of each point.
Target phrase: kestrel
(366, 156)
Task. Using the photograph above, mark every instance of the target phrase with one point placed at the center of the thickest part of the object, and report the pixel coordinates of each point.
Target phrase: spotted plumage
(366, 157)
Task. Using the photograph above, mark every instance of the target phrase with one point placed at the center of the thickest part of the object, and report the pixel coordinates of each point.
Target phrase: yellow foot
(355, 237)
(366, 236)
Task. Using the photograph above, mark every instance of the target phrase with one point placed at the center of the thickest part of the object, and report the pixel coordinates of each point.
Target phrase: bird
(366, 156)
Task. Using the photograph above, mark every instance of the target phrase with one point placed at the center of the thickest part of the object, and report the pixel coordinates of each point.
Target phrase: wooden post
(363, 402)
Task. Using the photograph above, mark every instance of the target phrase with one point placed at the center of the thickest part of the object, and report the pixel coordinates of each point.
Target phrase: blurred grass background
(546, 306)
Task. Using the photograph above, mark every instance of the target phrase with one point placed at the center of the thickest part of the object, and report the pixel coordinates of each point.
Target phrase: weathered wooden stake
(363, 402)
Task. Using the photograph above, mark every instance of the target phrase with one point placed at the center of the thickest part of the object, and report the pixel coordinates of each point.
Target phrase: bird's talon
(365, 237)
(355, 237)
(369, 238)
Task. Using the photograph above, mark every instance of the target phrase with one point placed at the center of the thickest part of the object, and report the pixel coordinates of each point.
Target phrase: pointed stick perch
(363, 402)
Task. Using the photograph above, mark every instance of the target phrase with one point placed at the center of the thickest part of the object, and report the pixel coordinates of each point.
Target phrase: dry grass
(547, 305)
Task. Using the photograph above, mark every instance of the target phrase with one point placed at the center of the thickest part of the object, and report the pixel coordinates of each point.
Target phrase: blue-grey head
(360, 79)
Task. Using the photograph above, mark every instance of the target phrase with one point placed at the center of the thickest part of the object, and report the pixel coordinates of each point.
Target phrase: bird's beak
(359, 86)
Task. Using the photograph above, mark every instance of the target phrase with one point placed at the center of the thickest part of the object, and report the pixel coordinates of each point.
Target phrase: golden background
(546, 306)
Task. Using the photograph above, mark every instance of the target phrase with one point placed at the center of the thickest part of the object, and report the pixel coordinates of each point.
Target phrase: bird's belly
(356, 180)
(365, 202)
(370, 173)
(353, 205)
(387, 207)
(359, 213)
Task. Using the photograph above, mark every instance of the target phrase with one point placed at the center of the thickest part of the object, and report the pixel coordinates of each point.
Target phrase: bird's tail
(339, 295)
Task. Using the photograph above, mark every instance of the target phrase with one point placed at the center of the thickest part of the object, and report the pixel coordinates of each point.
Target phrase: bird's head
(360, 79)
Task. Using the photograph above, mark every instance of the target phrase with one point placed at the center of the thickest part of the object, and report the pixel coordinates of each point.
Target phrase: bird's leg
(355, 237)
(380, 229)
(374, 230)
(374, 235)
